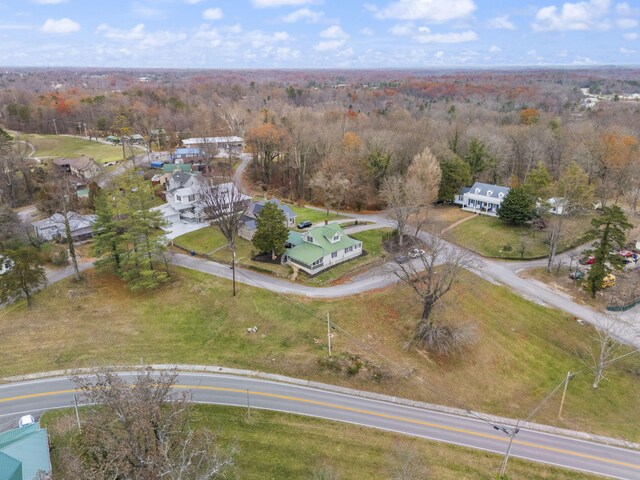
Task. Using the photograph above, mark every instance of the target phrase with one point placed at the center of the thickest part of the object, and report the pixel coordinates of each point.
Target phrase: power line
(449, 399)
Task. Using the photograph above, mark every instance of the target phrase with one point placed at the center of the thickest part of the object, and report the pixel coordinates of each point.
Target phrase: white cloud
(563, 53)
(49, 2)
(495, 49)
(584, 15)
(193, 2)
(623, 8)
(627, 51)
(147, 12)
(426, 10)
(329, 45)
(279, 3)
(367, 31)
(334, 31)
(303, 14)
(502, 23)
(425, 36)
(439, 54)
(136, 33)
(64, 25)
(402, 29)
(630, 36)
(212, 14)
(140, 37)
(627, 23)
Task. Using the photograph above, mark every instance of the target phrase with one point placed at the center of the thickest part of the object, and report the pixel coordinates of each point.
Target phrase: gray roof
(488, 190)
(257, 207)
(53, 227)
(249, 223)
(181, 177)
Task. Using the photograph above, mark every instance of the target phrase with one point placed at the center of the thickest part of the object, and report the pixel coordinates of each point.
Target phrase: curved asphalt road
(39, 395)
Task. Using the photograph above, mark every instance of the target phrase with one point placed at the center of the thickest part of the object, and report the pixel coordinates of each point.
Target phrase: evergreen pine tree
(271, 233)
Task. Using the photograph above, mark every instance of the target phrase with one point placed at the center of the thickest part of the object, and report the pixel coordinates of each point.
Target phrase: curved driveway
(39, 395)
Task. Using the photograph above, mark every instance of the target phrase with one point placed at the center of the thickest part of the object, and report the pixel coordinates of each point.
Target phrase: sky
(318, 33)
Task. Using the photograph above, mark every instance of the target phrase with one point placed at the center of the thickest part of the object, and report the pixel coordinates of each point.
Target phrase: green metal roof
(294, 238)
(24, 451)
(172, 167)
(307, 252)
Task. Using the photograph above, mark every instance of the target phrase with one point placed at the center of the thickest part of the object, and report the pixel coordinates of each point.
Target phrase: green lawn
(315, 216)
(490, 237)
(522, 351)
(63, 146)
(371, 244)
(281, 446)
(201, 241)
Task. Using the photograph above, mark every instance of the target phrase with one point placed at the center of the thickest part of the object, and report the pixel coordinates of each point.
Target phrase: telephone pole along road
(35, 396)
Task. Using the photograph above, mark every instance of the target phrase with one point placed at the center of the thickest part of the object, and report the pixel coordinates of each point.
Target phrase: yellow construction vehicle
(608, 281)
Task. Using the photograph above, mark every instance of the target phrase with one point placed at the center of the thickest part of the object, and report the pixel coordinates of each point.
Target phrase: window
(317, 263)
(336, 237)
(348, 249)
(309, 238)
(334, 254)
(178, 198)
(477, 190)
(192, 198)
(500, 195)
(489, 193)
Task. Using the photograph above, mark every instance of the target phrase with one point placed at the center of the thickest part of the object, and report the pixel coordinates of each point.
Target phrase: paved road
(40, 395)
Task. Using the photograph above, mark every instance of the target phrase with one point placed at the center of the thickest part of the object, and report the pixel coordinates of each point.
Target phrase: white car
(26, 420)
(416, 252)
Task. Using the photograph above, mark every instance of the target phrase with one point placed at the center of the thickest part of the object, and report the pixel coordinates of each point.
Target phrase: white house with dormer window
(482, 198)
(320, 248)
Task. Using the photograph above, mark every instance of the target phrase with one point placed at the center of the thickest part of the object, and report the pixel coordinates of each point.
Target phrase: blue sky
(318, 33)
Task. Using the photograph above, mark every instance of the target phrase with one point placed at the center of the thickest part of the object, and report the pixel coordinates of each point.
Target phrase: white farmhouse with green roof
(320, 248)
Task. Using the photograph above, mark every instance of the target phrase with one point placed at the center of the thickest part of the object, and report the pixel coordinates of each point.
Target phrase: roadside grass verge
(63, 146)
(490, 237)
(523, 350)
(274, 445)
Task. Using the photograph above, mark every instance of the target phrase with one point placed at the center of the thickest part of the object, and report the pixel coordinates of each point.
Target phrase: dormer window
(309, 238)
(336, 237)
(477, 191)
(500, 195)
(489, 193)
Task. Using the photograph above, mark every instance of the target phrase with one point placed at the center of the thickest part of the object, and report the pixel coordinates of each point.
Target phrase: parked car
(576, 275)
(26, 420)
(588, 260)
(401, 258)
(416, 252)
(305, 224)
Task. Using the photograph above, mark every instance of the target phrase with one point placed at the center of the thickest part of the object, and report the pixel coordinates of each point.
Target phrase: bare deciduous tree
(141, 431)
(223, 206)
(406, 463)
(431, 276)
(402, 196)
(607, 348)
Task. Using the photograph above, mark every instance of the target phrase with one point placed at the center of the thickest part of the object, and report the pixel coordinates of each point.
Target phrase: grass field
(315, 216)
(490, 237)
(63, 146)
(279, 446)
(522, 351)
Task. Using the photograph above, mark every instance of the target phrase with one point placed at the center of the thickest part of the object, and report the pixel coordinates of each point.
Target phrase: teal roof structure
(23, 452)
(323, 243)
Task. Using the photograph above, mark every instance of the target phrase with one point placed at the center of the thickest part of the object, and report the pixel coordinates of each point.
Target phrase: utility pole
(55, 127)
(329, 333)
(511, 434)
(75, 403)
(84, 124)
(564, 393)
(233, 269)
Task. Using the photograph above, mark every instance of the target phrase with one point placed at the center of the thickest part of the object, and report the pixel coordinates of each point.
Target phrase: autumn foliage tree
(267, 142)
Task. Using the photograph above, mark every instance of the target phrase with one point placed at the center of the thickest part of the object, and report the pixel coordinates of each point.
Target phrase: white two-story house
(482, 198)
